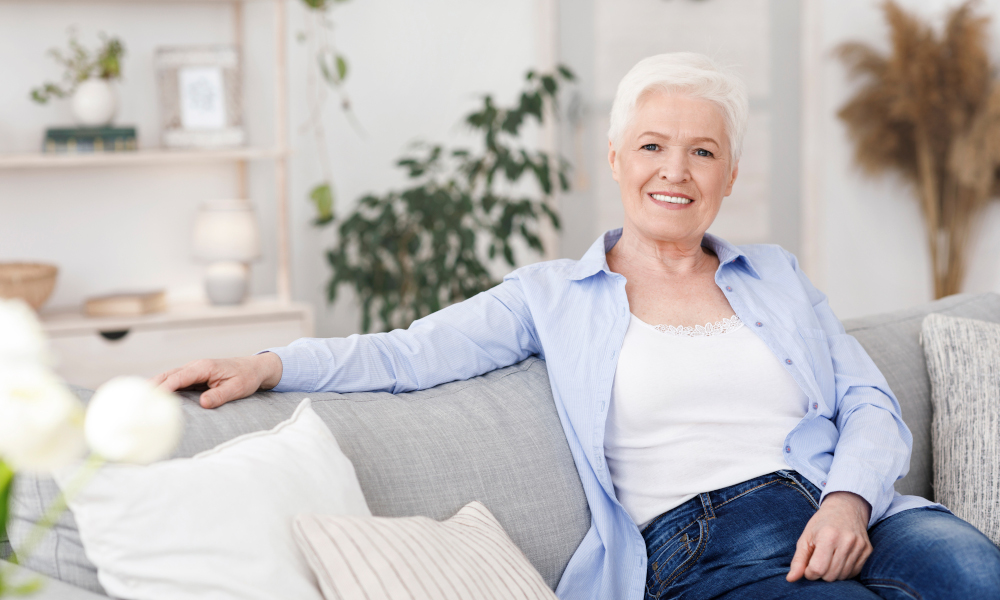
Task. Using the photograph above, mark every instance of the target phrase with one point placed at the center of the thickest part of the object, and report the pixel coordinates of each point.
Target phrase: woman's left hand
(835, 542)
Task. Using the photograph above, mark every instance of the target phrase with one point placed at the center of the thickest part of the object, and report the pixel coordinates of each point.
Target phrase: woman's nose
(675, 166)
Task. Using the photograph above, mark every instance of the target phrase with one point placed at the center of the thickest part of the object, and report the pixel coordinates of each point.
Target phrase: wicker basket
(31, 282)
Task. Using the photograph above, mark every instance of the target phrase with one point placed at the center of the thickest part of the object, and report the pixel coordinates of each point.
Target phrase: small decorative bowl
(31, 282)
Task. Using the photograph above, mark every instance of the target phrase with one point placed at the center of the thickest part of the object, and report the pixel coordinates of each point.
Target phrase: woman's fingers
(228, 389)
(819, 563)
(157, 380)
(199, 371)
(857, 561)
(803, 550)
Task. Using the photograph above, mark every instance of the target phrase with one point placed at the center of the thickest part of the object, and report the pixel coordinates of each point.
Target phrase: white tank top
(695, 410)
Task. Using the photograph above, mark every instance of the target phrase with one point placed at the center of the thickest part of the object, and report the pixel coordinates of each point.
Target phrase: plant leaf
(341, 67)
(322, 197)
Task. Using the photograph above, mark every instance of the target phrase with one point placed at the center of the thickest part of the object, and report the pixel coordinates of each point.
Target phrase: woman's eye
(651, 147)
(703, 152)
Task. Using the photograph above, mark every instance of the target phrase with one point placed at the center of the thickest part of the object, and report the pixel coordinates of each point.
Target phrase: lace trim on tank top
(708, 329)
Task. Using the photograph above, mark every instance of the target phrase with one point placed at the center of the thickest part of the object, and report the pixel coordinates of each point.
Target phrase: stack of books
(89, 139)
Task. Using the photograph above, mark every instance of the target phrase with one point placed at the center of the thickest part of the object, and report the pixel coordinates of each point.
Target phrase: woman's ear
(611, 160)
(732, 179)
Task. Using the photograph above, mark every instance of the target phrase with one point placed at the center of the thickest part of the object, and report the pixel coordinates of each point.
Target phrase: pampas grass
(930, 110)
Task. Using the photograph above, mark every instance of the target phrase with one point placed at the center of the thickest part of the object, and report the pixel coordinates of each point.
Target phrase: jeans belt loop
(706, 503)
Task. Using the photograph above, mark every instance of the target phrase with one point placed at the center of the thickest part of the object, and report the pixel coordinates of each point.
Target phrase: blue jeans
(738, 542)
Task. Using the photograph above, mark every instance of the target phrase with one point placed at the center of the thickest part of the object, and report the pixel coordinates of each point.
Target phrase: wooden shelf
(38, 160)
(59, 322)
(131, 1)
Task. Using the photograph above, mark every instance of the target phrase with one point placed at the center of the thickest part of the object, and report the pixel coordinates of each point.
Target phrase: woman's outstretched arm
(491, 330)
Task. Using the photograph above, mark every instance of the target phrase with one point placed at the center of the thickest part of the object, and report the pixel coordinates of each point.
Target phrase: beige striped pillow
(469, 556)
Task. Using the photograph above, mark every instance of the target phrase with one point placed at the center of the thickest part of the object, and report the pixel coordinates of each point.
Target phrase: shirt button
(729, 289)
(759, 324)
(822, 483)
(815, 405)
(788, 360)
(788, 449)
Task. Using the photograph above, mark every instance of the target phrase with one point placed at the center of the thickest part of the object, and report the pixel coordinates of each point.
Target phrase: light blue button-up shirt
(574, 314)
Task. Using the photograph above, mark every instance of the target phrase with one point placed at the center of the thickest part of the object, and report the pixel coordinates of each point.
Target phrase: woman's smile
(671, 200)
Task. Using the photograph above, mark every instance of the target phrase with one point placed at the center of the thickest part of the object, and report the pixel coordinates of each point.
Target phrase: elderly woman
(732, 440)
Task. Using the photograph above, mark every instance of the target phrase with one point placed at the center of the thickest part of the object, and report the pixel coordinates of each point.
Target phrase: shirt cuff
(866, 485)
(290, 380)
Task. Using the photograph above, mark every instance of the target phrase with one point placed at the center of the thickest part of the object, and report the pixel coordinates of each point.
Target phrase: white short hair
(685, 73)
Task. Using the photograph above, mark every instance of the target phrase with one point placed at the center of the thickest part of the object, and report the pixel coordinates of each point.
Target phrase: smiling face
(673, 167)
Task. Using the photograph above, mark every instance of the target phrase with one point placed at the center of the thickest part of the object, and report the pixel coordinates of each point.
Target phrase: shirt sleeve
(491, 330)
(873, 449)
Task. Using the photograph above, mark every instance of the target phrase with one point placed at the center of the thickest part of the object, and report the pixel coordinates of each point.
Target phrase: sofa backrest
(495, 438)
(893, 342)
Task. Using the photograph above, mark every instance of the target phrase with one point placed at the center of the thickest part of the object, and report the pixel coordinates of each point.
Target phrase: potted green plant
(87, 80)
(411, 252)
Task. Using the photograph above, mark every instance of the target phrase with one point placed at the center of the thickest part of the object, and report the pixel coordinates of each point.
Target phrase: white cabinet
(90, 351)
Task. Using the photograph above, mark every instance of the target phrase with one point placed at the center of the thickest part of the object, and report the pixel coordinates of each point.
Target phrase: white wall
(864, 240)
(416, 69)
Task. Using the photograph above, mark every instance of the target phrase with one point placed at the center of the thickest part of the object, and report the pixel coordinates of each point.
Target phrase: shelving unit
(239, 155)
(92, 349)
(144, 157)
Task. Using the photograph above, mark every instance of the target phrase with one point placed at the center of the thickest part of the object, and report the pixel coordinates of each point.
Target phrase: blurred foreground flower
(22, 339)
(130, 420)
(41, 422)
(43, 426)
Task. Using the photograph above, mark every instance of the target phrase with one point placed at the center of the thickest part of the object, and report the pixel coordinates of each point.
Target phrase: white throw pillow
(467, 557)
(963, 362)
(217, 525)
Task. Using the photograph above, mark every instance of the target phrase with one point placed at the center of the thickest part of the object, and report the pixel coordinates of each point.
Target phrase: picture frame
(200, 96)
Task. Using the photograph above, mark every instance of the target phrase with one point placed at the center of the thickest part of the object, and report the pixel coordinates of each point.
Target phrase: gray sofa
(494, 438)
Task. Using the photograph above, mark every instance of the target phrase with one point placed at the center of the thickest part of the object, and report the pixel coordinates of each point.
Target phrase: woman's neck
(635, 252)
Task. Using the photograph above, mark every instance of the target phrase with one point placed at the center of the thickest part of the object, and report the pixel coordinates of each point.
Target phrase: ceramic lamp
(226, 236)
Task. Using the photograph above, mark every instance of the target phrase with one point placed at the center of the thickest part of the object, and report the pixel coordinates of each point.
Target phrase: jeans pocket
(796, 481)
(675, 557)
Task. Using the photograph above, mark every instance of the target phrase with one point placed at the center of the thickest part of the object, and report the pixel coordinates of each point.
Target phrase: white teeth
(671, 199)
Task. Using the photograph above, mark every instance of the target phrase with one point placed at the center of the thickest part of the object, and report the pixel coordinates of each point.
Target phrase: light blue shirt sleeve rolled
(874, 446)
(491, 330)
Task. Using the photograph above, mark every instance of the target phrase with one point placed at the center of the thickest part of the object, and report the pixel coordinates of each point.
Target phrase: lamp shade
(226, 230)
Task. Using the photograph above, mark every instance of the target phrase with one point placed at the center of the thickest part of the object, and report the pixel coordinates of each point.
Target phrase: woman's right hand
(227, 379)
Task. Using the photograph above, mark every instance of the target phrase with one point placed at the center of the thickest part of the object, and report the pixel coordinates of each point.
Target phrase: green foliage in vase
(80, 65)
(411, 252)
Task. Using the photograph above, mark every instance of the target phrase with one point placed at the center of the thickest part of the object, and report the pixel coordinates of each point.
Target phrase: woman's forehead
(668, 114)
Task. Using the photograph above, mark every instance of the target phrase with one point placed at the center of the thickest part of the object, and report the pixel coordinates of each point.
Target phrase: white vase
(94, 103)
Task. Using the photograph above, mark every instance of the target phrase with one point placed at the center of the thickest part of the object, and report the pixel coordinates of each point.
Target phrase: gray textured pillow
(963, 361)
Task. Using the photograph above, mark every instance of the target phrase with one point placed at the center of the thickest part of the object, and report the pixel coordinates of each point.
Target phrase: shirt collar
(595, 259)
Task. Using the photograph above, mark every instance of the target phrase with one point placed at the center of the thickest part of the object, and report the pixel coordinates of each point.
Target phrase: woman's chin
(657, 230)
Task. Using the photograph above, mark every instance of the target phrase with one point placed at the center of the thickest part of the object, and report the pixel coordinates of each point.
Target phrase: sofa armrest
(52, 589)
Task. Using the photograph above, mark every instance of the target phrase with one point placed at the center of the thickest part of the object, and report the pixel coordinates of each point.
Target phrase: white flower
(130, 420)
(41, 421)
(22, 338)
